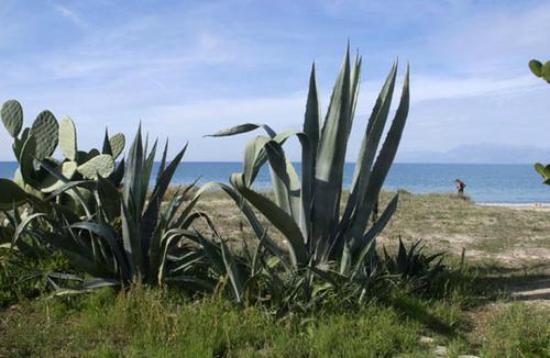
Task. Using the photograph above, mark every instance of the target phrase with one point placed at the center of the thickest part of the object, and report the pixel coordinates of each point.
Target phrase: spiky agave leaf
(11, 195)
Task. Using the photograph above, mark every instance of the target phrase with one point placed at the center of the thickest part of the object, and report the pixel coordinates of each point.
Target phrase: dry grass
(510, 237)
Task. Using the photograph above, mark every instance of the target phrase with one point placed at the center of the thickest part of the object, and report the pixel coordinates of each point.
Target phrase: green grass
(153, 324)
(157, 323)
(468, 312)
(518, 330)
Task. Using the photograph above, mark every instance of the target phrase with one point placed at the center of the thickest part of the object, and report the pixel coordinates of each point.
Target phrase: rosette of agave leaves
(326, 237)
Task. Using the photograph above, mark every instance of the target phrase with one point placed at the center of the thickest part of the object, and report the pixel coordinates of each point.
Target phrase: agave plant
(133, 235)
(319, 236)
(413, 264)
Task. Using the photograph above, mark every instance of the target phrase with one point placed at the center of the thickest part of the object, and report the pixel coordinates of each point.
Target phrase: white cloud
(71, 15)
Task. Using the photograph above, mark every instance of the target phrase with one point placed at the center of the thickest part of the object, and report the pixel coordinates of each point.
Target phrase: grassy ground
(507, 251)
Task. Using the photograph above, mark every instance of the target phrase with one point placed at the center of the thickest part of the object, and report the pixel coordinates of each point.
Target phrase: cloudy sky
(188, 68)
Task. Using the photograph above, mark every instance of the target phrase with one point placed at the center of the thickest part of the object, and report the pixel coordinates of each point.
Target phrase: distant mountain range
(480, 154)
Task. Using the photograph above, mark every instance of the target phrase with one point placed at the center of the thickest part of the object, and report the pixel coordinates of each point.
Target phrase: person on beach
(460, 187)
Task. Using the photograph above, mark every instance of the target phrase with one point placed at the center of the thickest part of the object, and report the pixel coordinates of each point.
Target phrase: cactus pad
(67, 138)
(12, 116)
(46, 132)
(117, 143)
(10, 194)
(26, 159)
(102, 164)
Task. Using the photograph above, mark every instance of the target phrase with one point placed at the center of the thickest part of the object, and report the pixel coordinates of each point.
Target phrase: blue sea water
(485, 183)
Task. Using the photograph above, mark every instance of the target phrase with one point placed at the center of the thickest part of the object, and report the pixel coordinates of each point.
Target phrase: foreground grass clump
(519, 330)
(151, 323)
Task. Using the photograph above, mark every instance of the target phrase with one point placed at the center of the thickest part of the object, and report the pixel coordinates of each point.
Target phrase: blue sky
(189, 68)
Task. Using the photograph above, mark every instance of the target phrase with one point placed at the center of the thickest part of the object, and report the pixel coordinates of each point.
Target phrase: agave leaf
(148, 165)
(382, 221)
(278, 217)
(286, 183)
(312, 116)
(309, 154)
(69, 185)
(255, 155)
(383, 162)
(118, 173)
(52, 183)
(109, 198)
(10, 194)
(355, 81)
(243, 128)
(106, 149)
(151, 215)
(370, 143)
(78, 251)
(134, 197)
(78, 194)
(131, 241)
(162, 164)
(335, 279)
(331, 156)
(110, 235)
(67, 138)
(96, 283)
(187, 261)
(22, 227)
(12, 117)
(175, 205)
(252, 151)
(232, 271)
(249, 214)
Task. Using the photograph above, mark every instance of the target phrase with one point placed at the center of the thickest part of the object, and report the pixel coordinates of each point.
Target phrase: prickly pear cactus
(45, 130)
(26, 159)
(39, 174)
(12, 117)
(117, 143)
(102, 164)
(67, 138)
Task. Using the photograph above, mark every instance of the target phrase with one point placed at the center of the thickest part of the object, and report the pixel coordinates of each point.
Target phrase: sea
(485, 183)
